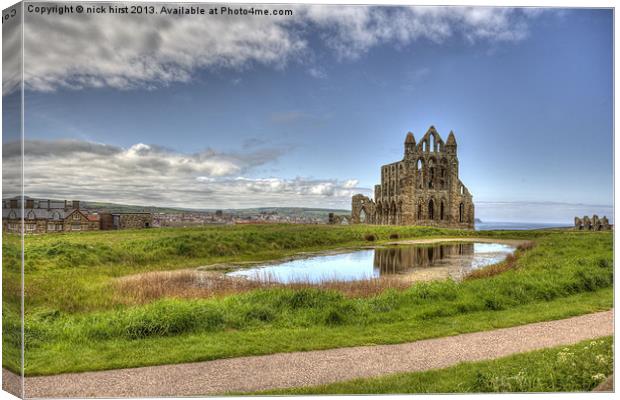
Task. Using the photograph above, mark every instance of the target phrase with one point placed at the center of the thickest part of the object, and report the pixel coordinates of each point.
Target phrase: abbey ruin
(594, 224)
(422, 189)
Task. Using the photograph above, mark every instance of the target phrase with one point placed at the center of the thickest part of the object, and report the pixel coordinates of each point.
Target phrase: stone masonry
(594, 224)
(421, 189)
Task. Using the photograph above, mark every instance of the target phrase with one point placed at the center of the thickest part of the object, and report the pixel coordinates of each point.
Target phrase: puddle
(416, 262)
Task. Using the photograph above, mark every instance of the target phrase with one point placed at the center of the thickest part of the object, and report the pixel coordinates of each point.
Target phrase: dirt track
(317, 367)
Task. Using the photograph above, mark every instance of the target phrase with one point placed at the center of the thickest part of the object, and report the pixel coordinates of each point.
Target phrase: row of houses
(51, 216)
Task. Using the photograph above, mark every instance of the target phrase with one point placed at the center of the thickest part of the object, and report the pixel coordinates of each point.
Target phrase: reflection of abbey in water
(393, 260)
(422, 189)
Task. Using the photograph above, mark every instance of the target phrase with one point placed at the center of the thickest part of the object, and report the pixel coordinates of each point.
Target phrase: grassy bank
(74, 348)
(575, 368)
(77, 319)
(71, 272)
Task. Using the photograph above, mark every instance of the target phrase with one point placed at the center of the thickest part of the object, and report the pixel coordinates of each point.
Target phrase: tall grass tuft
(195, 284)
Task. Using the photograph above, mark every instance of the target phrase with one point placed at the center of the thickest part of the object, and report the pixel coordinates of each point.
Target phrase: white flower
(601, 359)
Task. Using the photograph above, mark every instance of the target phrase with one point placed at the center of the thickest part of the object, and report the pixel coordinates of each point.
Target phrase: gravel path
(318, 367)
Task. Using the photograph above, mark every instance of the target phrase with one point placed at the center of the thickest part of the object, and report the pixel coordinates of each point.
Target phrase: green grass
(76, 322)
(575, 368)
(71, 271)
(74, 351)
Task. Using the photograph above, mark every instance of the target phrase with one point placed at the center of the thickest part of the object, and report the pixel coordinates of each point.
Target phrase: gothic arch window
(420, 169)
(431, 177)
(30, 215)
(462, 189)
(441, 211)
(431, 210)
(433, 140)
(461, 212)
(363, 216)
(419, 211)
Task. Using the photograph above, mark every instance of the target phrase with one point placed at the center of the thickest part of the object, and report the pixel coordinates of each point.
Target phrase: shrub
(370, 237)
(435, 291)
(526, 246)
(312, 298)
(394, 235)
(387, 301)
(162, 318)
(258, 313)
(341, 313)
(334, 316)
(579, 367)
(493, 303)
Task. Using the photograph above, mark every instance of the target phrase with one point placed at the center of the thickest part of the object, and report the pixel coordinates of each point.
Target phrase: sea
(489, 226)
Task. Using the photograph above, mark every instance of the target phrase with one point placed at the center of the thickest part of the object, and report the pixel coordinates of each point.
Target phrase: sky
(302, 110)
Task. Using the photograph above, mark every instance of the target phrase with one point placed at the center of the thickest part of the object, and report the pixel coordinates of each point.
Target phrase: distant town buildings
(126, 220)
(43, 216)
(231, 217)
(54, 216)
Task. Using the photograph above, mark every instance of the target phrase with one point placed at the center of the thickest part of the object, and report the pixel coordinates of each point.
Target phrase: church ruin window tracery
(421, 189)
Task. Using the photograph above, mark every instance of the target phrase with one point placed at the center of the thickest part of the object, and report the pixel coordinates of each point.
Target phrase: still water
(456, 258)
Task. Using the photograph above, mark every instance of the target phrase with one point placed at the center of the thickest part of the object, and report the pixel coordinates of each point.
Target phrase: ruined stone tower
(422, 189)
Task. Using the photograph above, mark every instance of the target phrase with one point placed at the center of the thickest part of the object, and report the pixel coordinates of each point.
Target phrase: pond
(432, 261)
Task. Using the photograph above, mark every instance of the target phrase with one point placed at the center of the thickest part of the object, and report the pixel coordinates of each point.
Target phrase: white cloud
(353, 31)
(317, 72)
(351, 183)
(151, 175)
(124, 52)
(308, 190)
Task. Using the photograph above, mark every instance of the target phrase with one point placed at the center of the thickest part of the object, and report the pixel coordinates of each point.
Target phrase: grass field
(78, 320)
(577, 368)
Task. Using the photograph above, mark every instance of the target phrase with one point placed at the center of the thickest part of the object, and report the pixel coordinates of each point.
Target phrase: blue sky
(308, 113)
